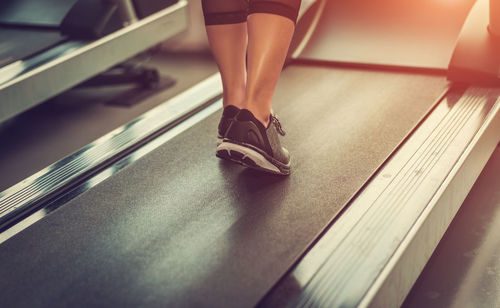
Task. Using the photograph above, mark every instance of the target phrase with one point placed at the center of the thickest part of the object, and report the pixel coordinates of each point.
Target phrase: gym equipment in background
(476, 59)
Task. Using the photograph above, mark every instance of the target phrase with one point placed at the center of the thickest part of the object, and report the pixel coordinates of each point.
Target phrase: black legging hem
(274, 8)
(225, 18)
(217, 15)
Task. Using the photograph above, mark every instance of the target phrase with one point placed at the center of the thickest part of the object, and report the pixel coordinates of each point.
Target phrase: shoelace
(277, 125)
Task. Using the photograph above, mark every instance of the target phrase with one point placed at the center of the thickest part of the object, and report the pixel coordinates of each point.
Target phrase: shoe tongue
(230, 111)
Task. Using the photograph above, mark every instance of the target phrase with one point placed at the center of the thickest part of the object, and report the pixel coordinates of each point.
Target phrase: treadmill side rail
(60, 74)
(377, 248)
(37, 190)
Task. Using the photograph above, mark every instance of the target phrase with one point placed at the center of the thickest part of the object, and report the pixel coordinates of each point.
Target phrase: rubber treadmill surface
(181, 227)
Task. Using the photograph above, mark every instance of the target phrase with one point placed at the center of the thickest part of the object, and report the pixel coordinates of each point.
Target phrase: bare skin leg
(269, 38)
(229, 47)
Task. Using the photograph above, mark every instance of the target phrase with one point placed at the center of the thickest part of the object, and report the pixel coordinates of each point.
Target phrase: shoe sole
(223, 154)
(248, 156)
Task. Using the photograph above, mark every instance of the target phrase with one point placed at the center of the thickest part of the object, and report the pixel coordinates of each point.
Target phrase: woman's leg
(269, 39)
(250, 139)
(229, 45)
(270, 29)
(226, 27)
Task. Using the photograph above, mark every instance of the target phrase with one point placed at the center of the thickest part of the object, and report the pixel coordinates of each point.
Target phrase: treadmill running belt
(18, 44)
(181, 227)
(44, 13)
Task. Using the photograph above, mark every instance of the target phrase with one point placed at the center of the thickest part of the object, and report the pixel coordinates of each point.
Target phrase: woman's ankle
(261, 115)
(234, 99)
(240, 104)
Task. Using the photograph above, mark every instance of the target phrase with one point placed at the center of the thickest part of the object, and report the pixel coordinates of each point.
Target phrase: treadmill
(65, 52)
(383, 156)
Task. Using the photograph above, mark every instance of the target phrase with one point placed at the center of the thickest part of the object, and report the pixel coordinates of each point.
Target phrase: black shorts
(220, 12)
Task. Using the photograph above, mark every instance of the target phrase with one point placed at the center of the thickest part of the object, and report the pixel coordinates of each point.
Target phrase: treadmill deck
(180, 226)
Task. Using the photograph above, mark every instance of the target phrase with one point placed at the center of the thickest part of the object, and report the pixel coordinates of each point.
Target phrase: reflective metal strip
(96, 179)
(363, 259)
(45, 182)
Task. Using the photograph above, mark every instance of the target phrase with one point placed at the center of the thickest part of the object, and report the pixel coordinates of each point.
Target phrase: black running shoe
(251, 144)
(227, 118)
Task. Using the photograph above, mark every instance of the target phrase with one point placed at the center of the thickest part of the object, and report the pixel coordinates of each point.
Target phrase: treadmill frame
(372, 254)
(35, 193)
(83, 60)
(394, 270)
